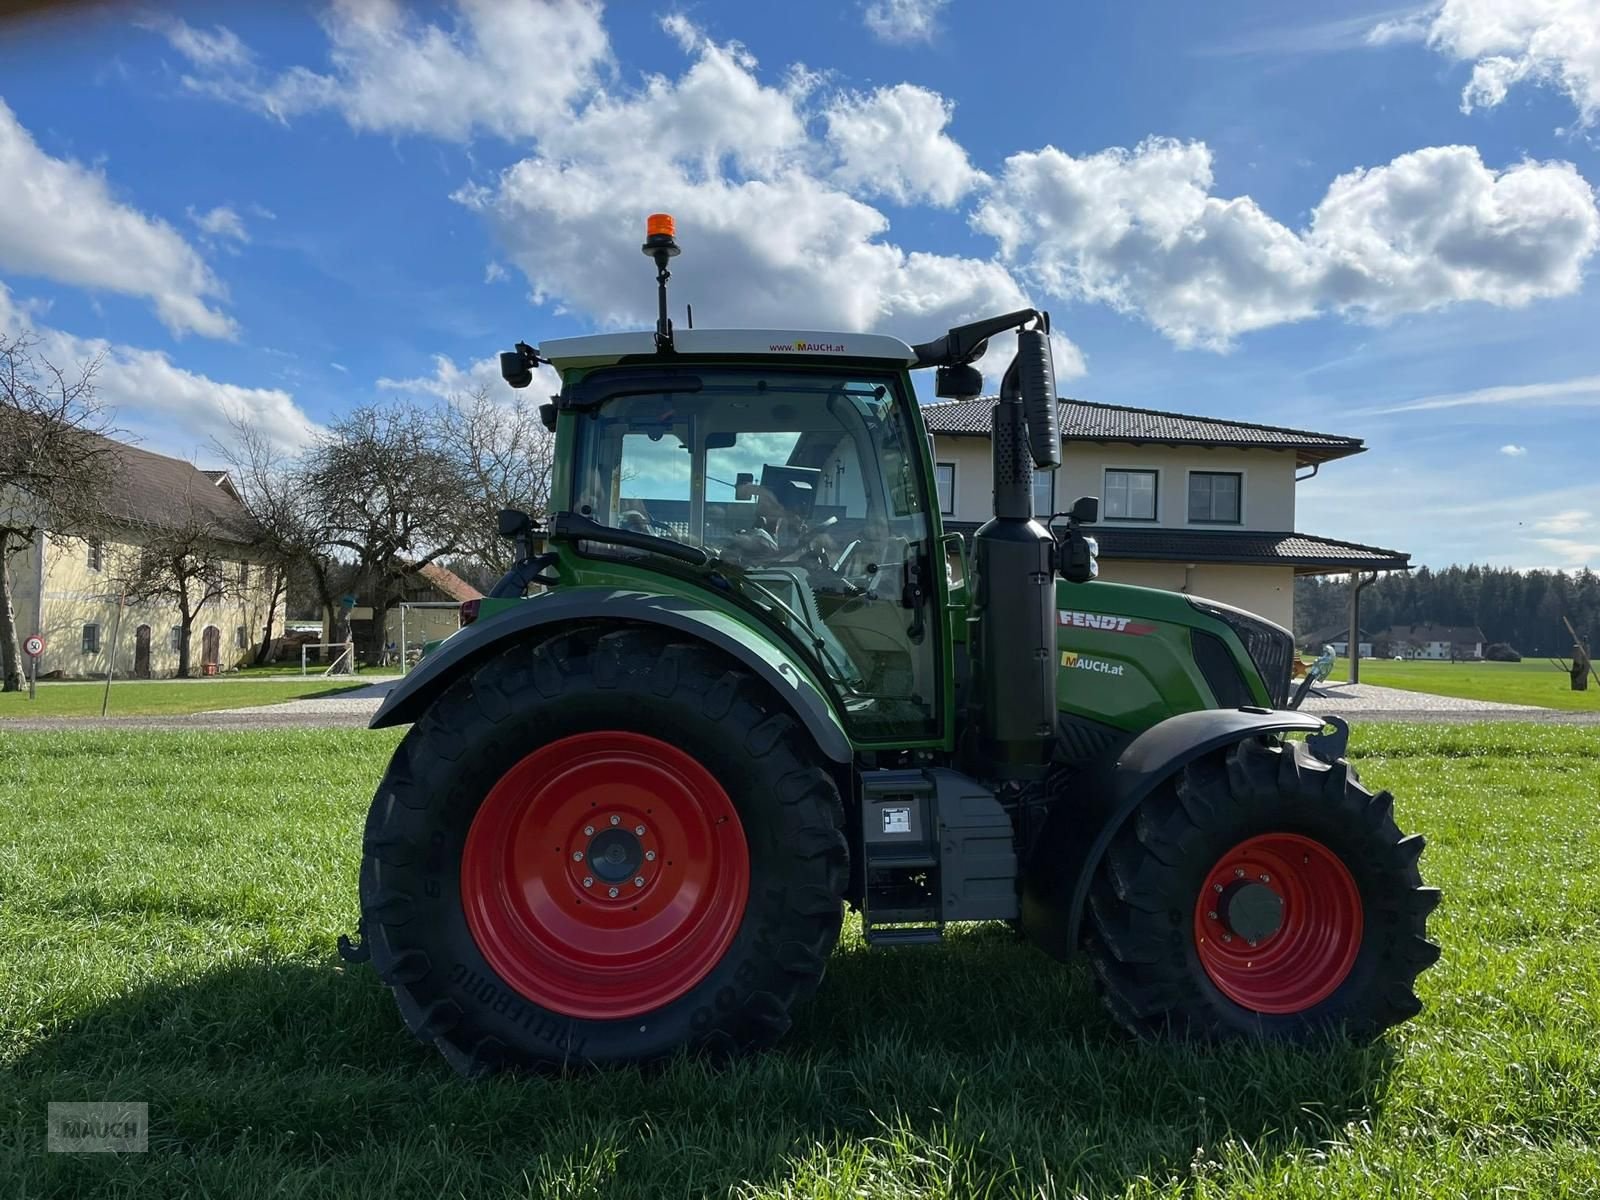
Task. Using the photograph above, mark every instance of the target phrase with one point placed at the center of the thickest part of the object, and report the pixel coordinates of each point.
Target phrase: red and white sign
(34, 646)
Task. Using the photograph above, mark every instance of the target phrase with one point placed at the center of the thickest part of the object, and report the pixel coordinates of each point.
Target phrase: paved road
(1360, 703)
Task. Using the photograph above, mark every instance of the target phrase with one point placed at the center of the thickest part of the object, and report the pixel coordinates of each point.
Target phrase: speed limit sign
(34, 646)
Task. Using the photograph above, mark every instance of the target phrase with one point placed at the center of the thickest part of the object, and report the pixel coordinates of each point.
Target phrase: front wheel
(603, 848)
(1261, 892)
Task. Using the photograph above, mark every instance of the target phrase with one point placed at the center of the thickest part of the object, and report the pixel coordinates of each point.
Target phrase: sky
(1370, 220)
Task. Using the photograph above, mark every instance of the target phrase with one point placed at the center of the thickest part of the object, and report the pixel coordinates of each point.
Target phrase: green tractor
(758, 683)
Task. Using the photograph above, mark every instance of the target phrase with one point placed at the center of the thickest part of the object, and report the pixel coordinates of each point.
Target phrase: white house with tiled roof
(1192, 504)
(67, 588)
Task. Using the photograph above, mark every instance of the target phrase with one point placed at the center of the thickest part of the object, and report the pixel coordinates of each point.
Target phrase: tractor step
(936, 847)
(904, 935)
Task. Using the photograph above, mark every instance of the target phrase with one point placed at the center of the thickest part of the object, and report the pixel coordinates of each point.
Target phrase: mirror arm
(964, 343)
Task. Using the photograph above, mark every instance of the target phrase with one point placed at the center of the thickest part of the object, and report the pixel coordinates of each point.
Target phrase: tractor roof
(601, 348)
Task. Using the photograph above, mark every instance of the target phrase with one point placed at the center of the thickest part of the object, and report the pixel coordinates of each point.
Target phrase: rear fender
(525, 622)
(1082, 822)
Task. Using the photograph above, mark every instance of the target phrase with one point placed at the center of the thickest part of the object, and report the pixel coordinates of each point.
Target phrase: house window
(1130, 495)
(239, 636)
(1044, 494)
(944, 478)
(177, 638)
(1214, 496)
(91, 639)
(97, 554)
(244, 576)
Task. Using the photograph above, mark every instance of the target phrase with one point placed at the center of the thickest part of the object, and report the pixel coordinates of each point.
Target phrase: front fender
(1080, 825)
(476, 644)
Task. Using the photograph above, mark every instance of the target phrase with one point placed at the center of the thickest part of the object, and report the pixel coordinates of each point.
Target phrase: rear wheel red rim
(605, 875)
(1278, 923)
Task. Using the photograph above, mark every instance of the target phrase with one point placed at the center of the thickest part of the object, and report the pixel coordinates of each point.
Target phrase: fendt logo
(1107, 622)
(809, 347)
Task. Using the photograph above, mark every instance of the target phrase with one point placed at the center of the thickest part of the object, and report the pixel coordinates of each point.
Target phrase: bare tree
(388, 494)
(179, 561)
(56, 466)
(272, 487)
(506, 456)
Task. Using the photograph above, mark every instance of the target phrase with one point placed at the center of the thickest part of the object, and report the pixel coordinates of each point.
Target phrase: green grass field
(1527, 682)
(170, 903)
(151, 697)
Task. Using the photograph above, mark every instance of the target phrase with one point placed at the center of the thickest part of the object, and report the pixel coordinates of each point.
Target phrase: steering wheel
(808, 541)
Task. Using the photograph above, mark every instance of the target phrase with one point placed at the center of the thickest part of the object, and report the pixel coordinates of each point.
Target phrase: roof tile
(1082, 420)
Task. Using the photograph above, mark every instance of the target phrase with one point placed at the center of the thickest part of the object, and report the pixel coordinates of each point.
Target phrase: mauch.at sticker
(1074, 661)
(1108, 622)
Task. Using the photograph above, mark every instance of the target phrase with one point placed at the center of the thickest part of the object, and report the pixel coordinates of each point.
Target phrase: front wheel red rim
(605, 875)
(1278, 923)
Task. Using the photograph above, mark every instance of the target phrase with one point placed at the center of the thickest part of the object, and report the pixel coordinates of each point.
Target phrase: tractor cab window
(806, 488)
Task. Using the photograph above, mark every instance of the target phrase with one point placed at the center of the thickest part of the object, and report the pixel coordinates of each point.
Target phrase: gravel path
(1358, 703)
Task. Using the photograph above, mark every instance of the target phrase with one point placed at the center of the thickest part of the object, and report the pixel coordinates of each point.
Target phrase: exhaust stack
(1012, 626)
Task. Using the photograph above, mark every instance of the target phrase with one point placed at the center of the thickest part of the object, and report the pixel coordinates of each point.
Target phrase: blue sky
(1376, 221)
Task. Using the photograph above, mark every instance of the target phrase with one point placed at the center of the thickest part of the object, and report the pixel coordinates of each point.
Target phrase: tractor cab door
(807, 486)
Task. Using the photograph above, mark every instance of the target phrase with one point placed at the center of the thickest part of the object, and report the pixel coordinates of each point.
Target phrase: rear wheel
(603, 848)
(1261, 892)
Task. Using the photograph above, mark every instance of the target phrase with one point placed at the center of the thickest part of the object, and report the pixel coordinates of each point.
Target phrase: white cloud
(153, 394)
(1572, 520)
(1141, 231)
(903, 21)
(494, 273)
(1408, 27)
(1582, 391)
(220, 222)
(766, 241)
(59, 220)
(892, 142)
(450, 380)
(1570, 552)
(217, 47)
(1513, 451)
(1551, 42)
(505, 67)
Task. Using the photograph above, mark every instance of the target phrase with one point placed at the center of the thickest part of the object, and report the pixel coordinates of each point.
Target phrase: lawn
(1527, 682)
(149, 697)
(172, 900)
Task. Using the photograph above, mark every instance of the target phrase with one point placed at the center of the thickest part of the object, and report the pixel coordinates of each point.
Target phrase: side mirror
(744, 486)
(1085, 510)
(547, 416)
(1036, 382)
(513, 522)
(515, 368)
(959, 382)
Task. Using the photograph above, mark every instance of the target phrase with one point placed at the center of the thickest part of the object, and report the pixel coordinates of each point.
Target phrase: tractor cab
(796, 488)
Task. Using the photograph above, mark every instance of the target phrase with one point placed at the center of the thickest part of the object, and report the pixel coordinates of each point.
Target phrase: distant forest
(1521, 608)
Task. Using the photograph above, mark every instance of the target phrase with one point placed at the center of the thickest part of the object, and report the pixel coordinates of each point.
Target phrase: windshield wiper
(572, 525)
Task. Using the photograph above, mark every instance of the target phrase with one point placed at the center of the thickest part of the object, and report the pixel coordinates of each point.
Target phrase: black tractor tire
(1155, 935)
(638, 687)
